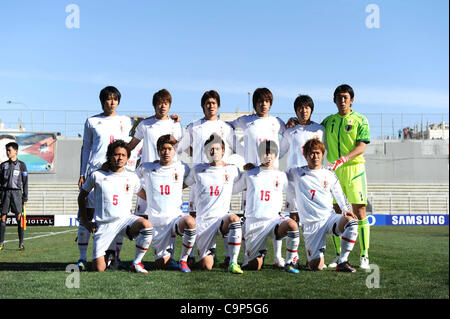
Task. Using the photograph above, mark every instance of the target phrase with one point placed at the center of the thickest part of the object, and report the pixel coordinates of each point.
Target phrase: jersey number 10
(165, 189)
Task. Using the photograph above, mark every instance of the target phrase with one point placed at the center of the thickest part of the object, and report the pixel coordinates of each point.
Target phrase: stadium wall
(387, 161)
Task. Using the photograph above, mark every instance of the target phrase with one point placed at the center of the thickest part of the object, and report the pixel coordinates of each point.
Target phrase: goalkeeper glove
(338, 163)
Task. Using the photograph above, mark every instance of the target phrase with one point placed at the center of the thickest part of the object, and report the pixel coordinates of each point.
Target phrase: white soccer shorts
(206, 236)
(107, 232)
(141, 207)
(314, 235)
(162, 238)
(256, 234)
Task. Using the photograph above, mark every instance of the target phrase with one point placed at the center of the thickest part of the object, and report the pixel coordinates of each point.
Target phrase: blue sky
(188, 47)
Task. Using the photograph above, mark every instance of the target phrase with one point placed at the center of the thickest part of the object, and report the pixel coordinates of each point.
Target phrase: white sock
(188, 243)
(234, 240)
(143, 241)
(225, 244)
(348, 239)
(277, 244)
(83, 241)
(292, 241)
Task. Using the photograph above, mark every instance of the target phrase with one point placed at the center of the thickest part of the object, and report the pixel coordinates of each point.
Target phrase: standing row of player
(259, 129)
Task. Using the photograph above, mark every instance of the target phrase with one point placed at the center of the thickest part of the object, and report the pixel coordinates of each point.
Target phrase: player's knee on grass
(162, 263)
(207, 263)
(255, 264)
(316, 264)
(99, 264)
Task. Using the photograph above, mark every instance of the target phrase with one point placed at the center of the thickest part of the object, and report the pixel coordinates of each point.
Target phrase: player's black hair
(267, 147)
(166, 139)
(113, 146)
(262, 94)
(107, 91)
(14, 145)
(210, 94)
(344, 88)
(303, 100)
(215, 138)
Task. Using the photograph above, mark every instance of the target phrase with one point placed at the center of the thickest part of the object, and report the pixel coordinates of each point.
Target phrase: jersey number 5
(115, 200)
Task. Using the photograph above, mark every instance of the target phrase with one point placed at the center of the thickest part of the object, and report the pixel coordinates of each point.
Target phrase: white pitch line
(46, 235)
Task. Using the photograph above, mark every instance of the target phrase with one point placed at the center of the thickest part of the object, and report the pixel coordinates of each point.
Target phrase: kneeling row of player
(310, 188)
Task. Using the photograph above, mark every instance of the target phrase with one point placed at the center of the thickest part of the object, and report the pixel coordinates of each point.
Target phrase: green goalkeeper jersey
(343, 133)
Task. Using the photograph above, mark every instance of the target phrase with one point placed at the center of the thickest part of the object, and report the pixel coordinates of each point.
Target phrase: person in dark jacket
(13, 191)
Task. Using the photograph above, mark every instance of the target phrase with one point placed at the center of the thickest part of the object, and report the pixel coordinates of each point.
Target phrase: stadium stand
(405, 198)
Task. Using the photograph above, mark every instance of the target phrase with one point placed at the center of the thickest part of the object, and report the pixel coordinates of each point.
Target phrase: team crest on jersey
(175, 177)
(127, 187)
(348, 128)
(276, 184)
(325, 184)
(226, 178)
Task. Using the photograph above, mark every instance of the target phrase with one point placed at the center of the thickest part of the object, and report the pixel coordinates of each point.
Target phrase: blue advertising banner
(408, 220)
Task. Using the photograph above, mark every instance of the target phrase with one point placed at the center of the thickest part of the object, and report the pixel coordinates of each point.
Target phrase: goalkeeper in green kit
(347, 135)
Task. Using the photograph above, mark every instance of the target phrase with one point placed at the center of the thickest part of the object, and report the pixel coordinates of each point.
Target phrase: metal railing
(71, 122)
(387, 203)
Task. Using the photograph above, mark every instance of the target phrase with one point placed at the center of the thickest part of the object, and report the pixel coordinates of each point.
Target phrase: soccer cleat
(279, 262)
(138, 268)
(234, 268)
(81, 264)
(172, 264)
(334, 262)
(21, 248)
(183, 266)
(291, 269)
(2, 246)
(364, 263)
(345, 267)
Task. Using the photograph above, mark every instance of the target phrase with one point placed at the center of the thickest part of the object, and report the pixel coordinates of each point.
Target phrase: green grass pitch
(413, 263)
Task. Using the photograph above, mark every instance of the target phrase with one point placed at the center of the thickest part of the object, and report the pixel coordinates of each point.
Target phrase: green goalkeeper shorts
(353, 182)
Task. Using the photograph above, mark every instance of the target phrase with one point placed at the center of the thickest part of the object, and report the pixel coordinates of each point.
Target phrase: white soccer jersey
(264, 195)
(150, 130)
(294, 139)
(314, 192)
(256, 130)
(99, 132)
(199, 131)
(113, 194)
(164, 190)
(213, 186)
